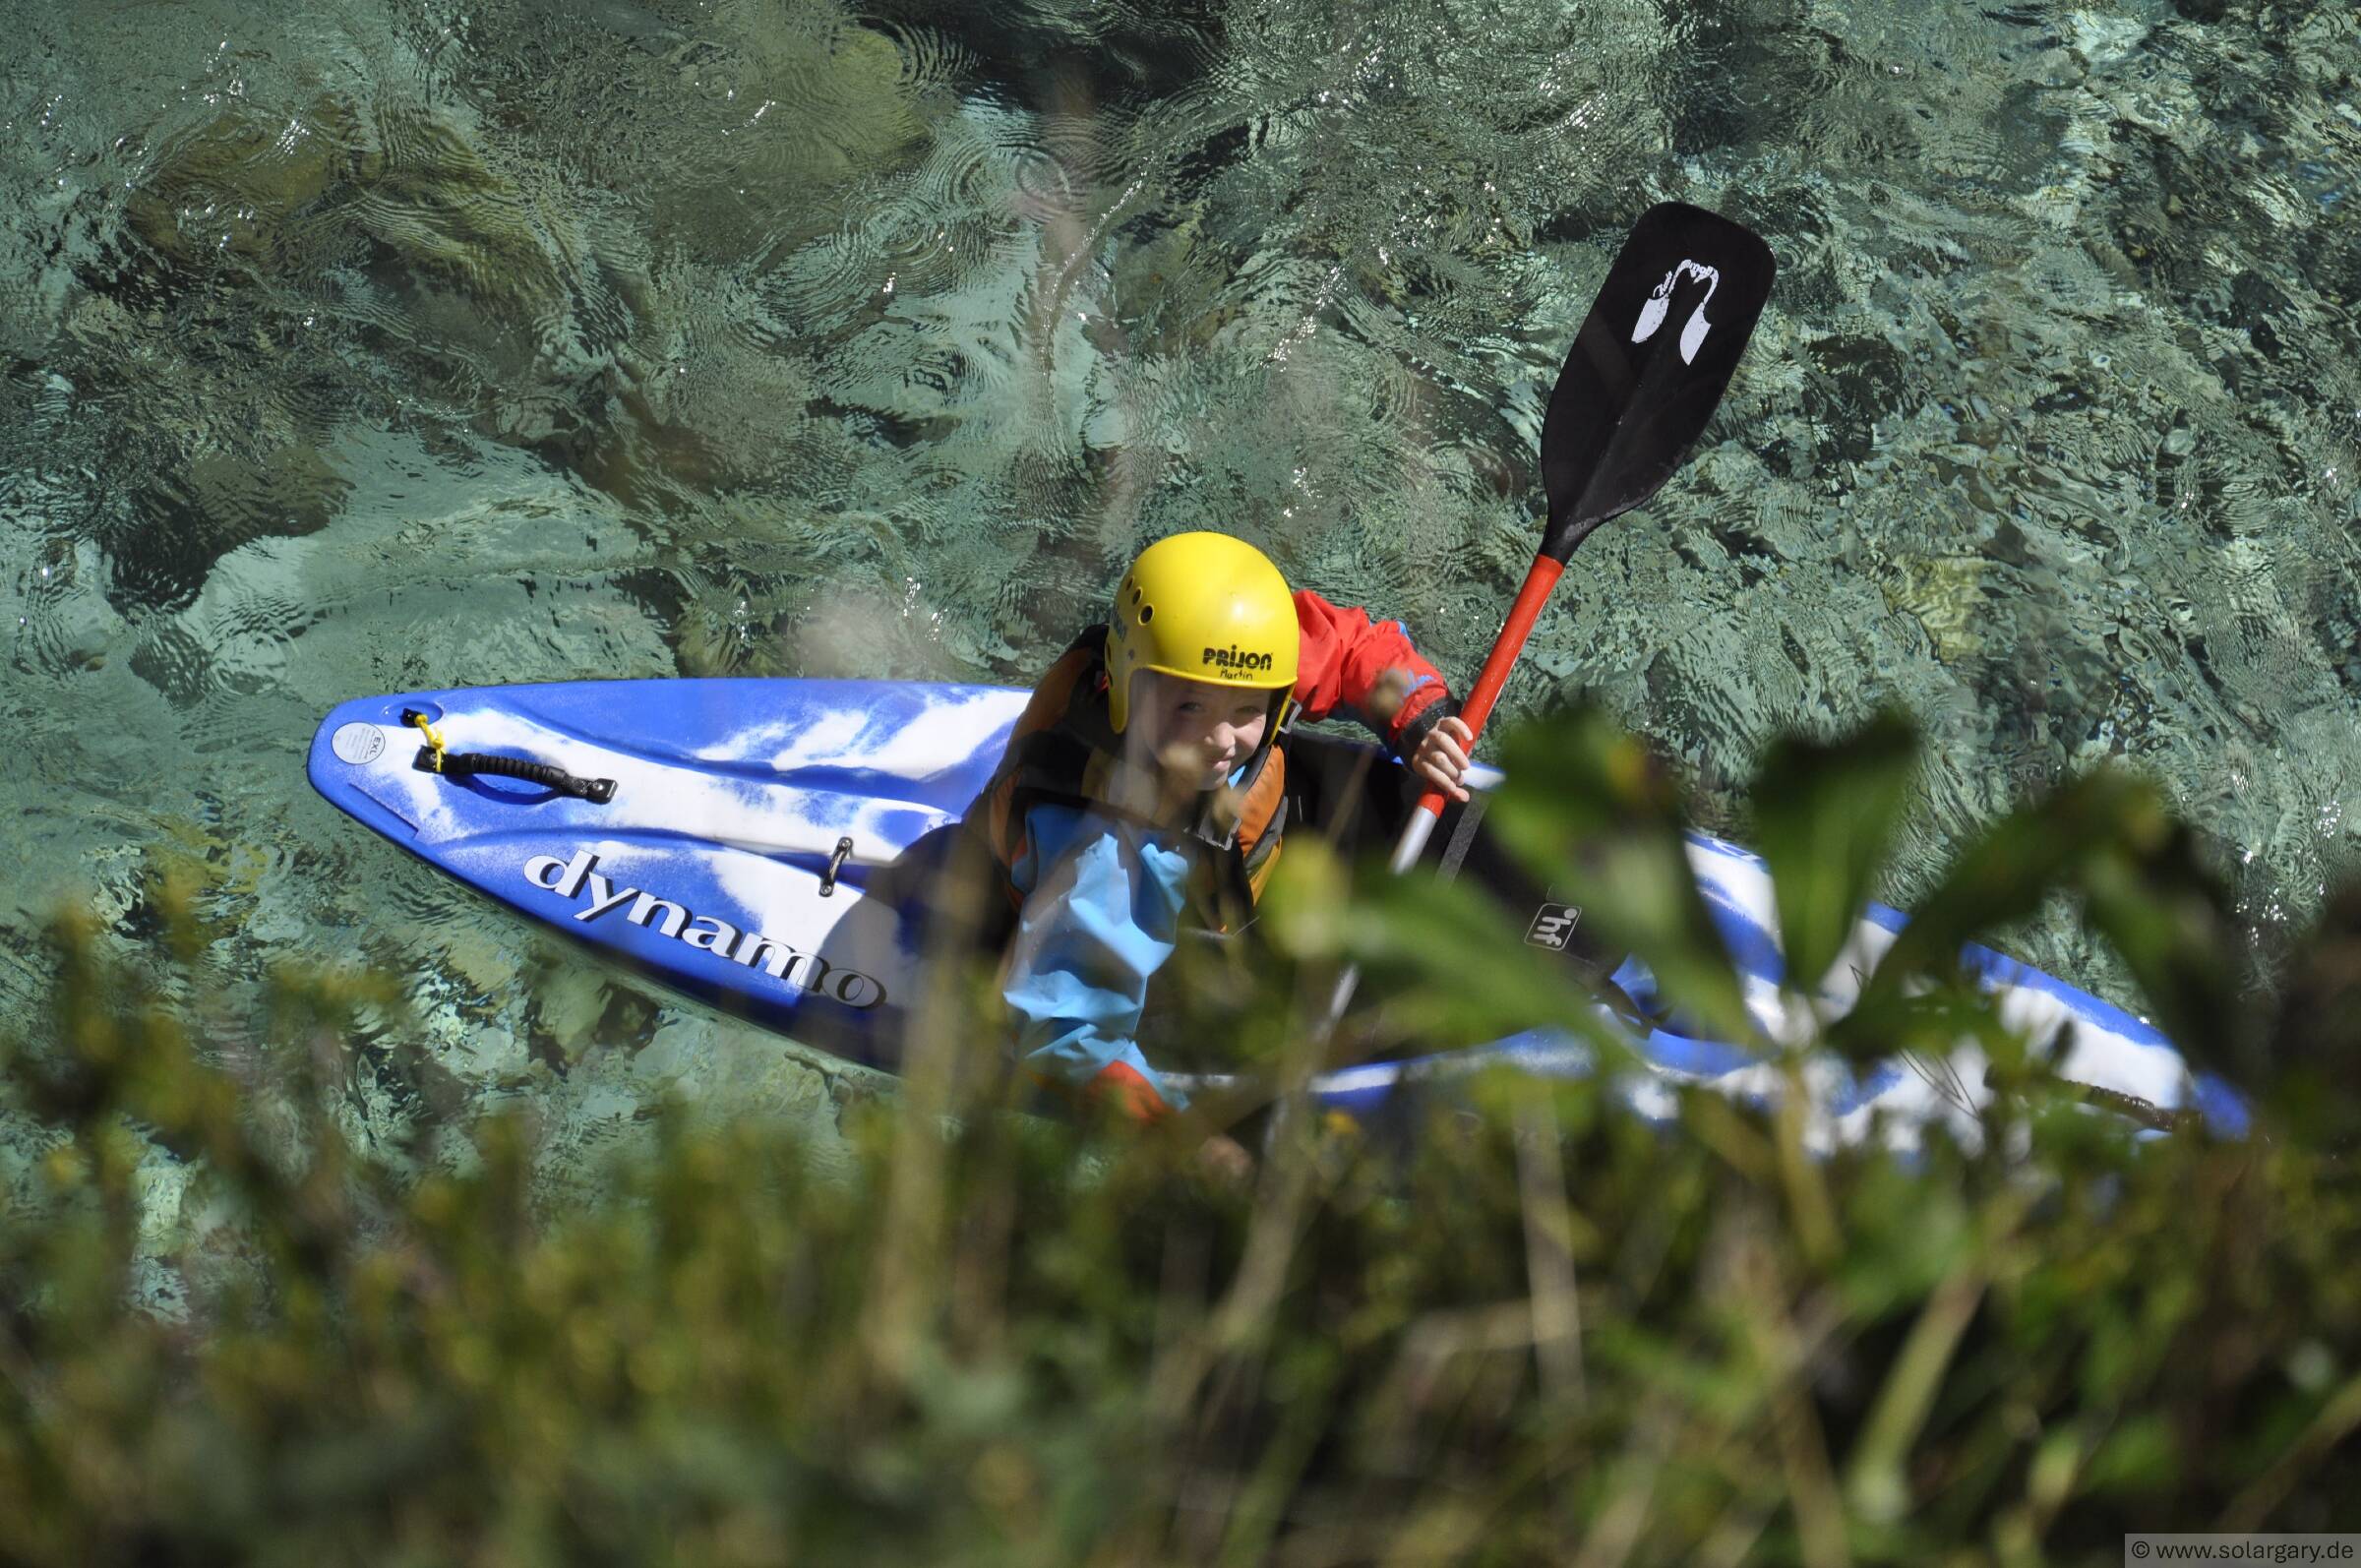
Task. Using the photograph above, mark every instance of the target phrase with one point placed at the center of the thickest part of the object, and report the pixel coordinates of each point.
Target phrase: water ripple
(648, 338)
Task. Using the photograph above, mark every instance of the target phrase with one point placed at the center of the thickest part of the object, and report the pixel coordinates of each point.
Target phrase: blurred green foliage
(1531, 1329)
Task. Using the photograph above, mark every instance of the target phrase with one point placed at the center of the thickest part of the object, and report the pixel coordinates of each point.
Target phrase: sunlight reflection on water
(420, 347)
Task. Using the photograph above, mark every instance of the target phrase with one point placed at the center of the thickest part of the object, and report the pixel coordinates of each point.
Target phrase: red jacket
(1367, 668)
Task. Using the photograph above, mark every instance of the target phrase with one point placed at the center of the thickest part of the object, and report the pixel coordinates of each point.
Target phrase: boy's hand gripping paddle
(1646, 372)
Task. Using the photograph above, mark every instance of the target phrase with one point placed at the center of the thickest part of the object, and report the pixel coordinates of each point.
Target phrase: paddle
(1645, 374)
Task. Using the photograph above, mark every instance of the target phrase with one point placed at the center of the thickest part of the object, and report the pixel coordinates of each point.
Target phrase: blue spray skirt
(750, 820)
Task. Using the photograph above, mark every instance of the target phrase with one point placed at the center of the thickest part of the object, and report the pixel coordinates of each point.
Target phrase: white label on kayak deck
(357, 743)
(1553, 927)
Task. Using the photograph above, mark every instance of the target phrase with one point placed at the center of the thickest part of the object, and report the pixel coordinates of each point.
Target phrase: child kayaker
(1146, 786)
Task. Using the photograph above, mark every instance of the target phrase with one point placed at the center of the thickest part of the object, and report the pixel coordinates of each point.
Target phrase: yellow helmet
(1204, 607)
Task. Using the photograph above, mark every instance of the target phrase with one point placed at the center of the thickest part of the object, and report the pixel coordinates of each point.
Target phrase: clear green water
(399, 345)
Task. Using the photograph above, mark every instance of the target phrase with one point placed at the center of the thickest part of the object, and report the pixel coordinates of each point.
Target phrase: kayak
(734, 839)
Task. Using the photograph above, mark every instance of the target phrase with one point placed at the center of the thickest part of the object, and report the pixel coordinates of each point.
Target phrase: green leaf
(1825, 816)
(1590, 813)
(1452, 965)
(2005, 875)
(2169, 919)
(2316, 1035)
(2109, 838)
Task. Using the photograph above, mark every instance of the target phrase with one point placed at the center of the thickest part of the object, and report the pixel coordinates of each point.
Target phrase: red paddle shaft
(1539, 581)
(1625, 407)
(1522, 615)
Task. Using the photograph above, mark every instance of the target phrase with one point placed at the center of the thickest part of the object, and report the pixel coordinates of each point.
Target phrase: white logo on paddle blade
(1652, 313)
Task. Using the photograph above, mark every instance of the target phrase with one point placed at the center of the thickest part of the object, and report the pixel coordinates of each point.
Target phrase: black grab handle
(435, 758)
(597, 791)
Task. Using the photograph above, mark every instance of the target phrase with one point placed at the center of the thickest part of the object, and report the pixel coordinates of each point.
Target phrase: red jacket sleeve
(1367, 668)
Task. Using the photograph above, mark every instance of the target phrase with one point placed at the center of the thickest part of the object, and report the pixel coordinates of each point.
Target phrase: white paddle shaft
(1406, 850)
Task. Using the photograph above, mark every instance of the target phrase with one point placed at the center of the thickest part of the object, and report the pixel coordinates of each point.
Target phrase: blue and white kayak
(742, 824)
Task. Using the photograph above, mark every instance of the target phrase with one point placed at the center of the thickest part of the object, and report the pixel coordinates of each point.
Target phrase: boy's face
(1200, 731)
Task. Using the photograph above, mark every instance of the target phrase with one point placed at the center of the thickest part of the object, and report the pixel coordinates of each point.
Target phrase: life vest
(1065, 750)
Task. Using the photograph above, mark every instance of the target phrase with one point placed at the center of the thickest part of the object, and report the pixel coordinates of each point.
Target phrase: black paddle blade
(1650, 365)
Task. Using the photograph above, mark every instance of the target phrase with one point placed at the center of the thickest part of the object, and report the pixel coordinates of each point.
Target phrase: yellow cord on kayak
(431, 739)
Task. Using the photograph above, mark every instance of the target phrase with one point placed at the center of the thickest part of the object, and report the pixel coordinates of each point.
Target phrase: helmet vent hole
(1147, 613)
